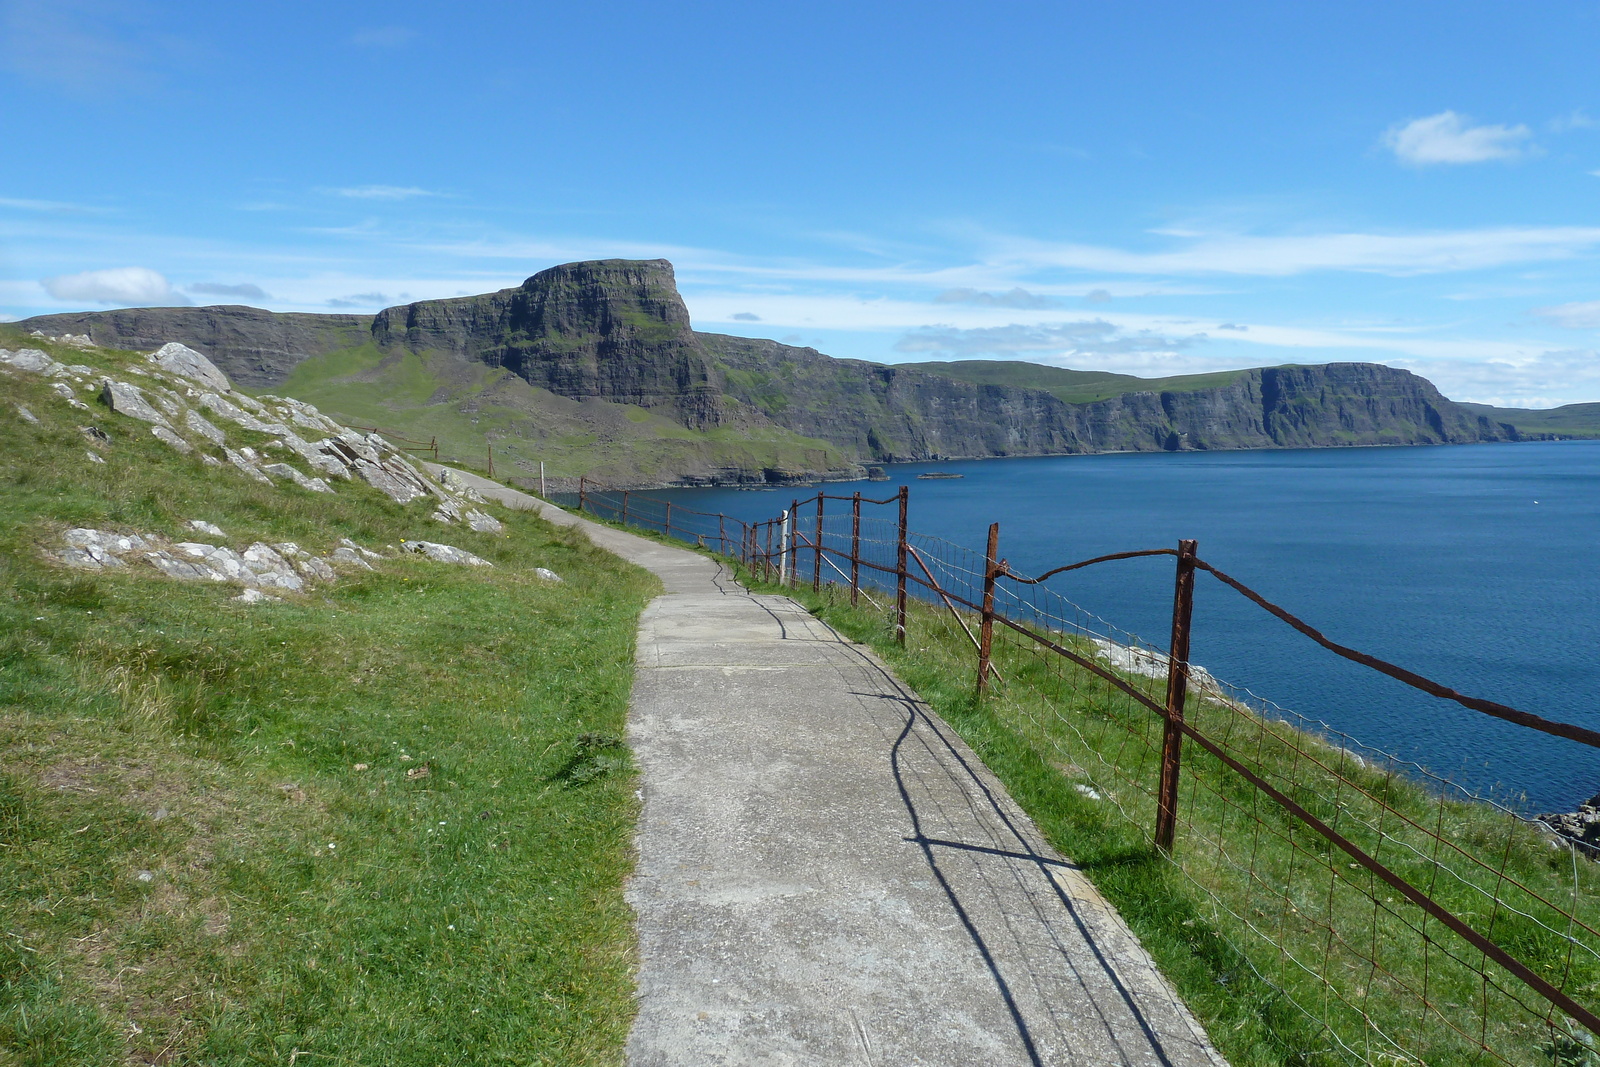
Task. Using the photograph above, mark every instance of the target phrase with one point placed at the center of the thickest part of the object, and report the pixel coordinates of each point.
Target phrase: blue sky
(1152, 188)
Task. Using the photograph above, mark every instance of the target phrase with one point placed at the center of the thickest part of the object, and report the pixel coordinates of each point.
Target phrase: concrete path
(828, 875)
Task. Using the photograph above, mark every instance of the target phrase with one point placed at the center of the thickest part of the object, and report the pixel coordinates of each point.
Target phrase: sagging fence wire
(1395, 916)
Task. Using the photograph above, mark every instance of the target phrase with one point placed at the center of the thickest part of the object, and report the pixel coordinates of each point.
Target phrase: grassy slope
(470, 405)
(296, 903)
(1569, 420)
(1071, 386)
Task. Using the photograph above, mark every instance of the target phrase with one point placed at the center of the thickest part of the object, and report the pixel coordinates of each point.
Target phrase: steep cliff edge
(615, 336)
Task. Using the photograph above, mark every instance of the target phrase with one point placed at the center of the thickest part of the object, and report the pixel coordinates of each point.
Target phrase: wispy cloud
(384, 37)
(1398, 254)
(1016, 298)
(54, 207)
(360, 300)
(125, 286)
(87, 47)
(254, 292)
(1583, 315)
(1091, 338)
(383, 192)
(1576, 119)
(744, 316)
(1447, 138)
(1534, 378)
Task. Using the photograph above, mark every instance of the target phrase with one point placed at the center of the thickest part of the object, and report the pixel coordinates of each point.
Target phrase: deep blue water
(1472, 565)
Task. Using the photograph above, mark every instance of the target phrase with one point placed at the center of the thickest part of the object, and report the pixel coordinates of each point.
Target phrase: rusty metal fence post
(855, 549)
(624, 519)
(991, 571)
(667, 526)
(1177, 692)
(581, 492)
(901, 574)
(792, 528)
(816, 567)
(722, 535)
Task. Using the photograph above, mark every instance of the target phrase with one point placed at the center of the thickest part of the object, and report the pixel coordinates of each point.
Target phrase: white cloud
(51, 206)
(1534, 379)
(383, 192)
(1016, 298)
(1583, 315)
(127, 286)
(1446, 138)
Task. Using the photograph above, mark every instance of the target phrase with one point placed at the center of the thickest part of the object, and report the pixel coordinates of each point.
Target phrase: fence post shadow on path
(1399, 916)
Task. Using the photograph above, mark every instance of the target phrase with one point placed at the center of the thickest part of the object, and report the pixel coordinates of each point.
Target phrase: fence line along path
(827, 874)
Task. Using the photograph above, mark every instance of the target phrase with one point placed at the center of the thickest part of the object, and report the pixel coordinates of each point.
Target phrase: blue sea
(1473, 565)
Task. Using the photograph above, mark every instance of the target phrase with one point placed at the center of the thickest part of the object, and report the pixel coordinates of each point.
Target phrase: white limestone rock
(29, 359)
(256, 596)
(446, 512)
(283, 470)
(350, 557)
(65, 392)
(27, 416)
(197, 423)
(445, 553)
(125, 399)
(166, 436)
(94, 458)
(187, 363)
(366, 553)
(484, 523)
(202, 526)
(319, 569)
(239, 461)
(547, 574)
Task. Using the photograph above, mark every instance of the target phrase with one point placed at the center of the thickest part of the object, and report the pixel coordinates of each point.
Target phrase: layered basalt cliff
(617, 331)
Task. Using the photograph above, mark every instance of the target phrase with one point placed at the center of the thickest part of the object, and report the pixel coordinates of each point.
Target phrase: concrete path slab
(828, 875)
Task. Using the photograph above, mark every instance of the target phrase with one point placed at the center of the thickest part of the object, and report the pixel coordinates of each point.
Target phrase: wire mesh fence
(1398, 917)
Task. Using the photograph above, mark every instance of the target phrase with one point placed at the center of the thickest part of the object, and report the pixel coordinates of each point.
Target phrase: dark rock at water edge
(1580, 828)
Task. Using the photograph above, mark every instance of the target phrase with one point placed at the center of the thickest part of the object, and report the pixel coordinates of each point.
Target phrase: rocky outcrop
(1580, 828)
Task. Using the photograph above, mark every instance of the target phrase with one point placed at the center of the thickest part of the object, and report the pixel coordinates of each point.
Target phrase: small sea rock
(445, 553)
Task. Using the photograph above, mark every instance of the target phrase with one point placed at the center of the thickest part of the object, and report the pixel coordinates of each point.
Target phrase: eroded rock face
(282, 567)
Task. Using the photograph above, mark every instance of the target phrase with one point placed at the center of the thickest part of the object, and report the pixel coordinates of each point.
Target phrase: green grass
(1070, 386)
(1052, 730)
(295, 903)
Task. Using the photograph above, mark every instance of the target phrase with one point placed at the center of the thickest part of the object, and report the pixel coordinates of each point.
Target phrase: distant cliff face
(886, 413)
(255, 348)
(617, 330)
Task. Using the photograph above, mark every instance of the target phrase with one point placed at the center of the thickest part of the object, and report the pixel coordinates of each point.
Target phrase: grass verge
(384, 822)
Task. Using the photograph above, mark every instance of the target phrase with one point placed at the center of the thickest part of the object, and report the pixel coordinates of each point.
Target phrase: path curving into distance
(828, 875)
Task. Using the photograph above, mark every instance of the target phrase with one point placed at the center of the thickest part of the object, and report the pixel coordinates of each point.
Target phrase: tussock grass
(378, 823)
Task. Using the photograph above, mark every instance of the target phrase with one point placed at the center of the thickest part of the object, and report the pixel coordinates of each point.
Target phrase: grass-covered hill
(382, 819)
(595, 369)
(1569, 420)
